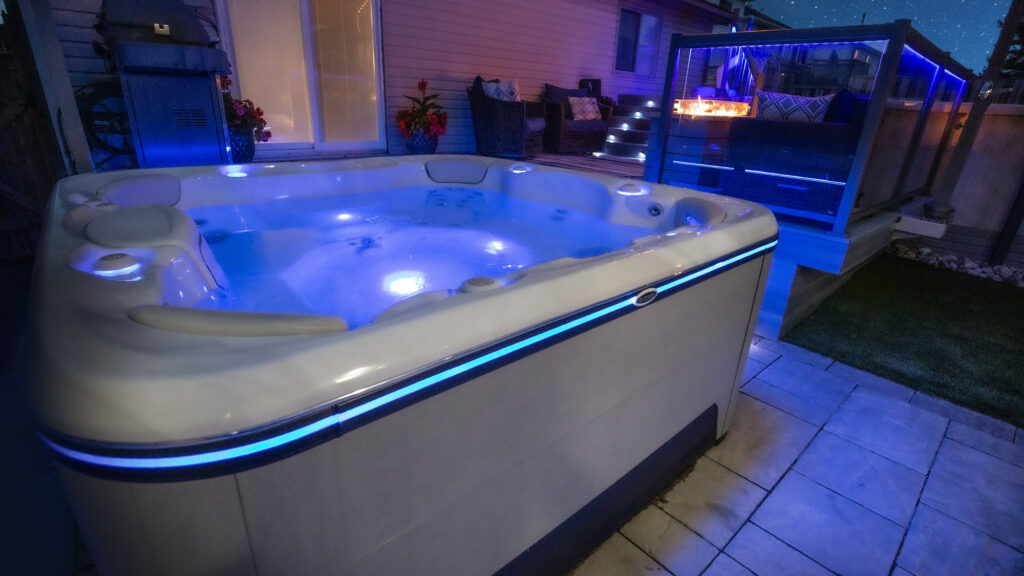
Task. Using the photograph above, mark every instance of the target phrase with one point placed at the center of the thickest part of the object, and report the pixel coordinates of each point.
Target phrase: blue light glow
(138, 463)
(172, 462)
(631, 189)
(130, 269)
(237, 174)
(795, 177)
(921, 56)
(405, 283)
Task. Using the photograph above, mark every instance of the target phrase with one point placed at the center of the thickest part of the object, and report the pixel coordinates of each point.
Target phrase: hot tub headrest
(161, 189)
(457, 171)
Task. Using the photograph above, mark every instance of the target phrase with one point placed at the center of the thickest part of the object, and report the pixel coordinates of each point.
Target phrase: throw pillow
(774, 106)
(559, 95)
(503, 90)
(584, 108)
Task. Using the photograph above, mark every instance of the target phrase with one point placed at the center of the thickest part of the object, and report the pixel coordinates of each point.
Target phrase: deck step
(635, 111)
(631, 136)
(645, 100)
(627, 123)
(629, 126)
(627, 149)
(630, 159)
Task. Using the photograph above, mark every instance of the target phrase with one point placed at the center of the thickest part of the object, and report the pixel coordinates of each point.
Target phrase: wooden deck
(588, 163)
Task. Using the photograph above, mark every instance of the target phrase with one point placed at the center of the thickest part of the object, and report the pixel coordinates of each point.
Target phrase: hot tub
(419, 365)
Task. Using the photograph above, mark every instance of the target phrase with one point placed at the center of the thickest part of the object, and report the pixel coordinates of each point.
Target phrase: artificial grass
(942, 332)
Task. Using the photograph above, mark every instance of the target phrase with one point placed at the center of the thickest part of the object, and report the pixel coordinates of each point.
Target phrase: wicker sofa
(565, 135)
(506, 128)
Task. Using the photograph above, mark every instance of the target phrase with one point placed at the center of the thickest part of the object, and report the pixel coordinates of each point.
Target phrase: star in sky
(966, 28)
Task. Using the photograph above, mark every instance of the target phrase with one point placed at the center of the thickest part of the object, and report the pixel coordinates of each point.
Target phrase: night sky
(967, 28)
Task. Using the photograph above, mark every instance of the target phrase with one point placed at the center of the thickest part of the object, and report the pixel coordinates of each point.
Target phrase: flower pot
(421, 143)
(243, 146)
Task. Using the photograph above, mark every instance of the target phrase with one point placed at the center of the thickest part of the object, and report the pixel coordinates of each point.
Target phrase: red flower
(424, 114)
(244, 116)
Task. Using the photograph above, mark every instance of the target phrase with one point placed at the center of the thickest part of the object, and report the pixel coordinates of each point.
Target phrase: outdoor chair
(566, 134)
(508, 128)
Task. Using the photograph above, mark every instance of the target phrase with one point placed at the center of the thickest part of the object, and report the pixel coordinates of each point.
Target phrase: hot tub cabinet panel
(516, 455)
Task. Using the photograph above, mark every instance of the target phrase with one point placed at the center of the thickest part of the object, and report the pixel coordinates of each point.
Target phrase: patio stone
(881, 485)
(712, 501)
(900, 432)
(801, 390)
(797, 353)
(836, 532)
(763, 442)
(1012, 452)
(788, 402)
(988, 424)
(726, 566)
(1018, 436)
(673, 545)
(869, 380)
(979, 490)
(938, 544)
(897, 571)
(752, 368)
(766, 555)
(618, 557)
(763, 355)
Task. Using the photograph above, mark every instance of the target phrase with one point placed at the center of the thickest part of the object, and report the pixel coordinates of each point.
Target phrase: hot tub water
(356, 255)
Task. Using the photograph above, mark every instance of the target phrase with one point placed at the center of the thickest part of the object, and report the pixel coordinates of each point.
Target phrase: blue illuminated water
(355, 255)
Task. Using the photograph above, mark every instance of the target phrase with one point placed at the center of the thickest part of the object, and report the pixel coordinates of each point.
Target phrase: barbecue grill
(168, 68)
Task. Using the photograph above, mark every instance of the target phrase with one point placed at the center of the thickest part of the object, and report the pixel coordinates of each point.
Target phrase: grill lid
(160, 21)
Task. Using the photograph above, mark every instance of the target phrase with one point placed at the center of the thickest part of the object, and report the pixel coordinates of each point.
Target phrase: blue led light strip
(174, 462)
(921, 56)
(795, 177)
(699, 165)
(961, 80)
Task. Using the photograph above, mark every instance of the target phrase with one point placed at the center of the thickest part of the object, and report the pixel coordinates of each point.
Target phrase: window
(637, 48)
(314, 68)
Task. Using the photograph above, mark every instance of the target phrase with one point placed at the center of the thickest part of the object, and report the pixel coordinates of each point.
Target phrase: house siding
(448, 44)
(534, 42)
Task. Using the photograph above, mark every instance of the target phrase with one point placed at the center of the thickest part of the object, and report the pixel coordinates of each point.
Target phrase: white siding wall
(534, 41)
(449, 43)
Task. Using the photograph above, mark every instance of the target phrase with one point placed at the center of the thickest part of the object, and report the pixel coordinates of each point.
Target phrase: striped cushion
(584, 108)
(774, 106)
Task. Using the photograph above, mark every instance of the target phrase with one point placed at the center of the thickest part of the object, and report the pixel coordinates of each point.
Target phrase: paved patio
(828, 469)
